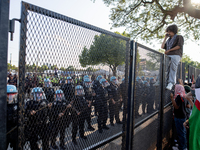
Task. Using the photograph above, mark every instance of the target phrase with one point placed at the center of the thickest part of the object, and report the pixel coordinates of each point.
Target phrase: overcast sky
(96, 14)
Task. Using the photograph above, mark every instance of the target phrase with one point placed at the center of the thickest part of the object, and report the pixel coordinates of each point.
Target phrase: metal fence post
(4, 22)
(21, 92)
(130, 108)
(161, 111)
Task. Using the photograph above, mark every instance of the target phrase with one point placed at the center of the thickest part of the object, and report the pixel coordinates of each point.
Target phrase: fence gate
(60, 53)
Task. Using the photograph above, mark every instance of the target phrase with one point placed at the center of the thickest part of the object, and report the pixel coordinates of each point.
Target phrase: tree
(149, 18)
(11, 67)
(106, 50)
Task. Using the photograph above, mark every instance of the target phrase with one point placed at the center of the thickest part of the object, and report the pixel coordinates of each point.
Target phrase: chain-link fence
(82, 87)
(193, 74)
(73, 79)
(147, 97)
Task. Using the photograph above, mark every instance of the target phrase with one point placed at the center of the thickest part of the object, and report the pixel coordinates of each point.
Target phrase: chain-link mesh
(73, 82)
(147, 96)
(193, 73)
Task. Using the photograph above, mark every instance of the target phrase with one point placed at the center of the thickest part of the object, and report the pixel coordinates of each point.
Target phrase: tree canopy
(106, 50)
(149, 18)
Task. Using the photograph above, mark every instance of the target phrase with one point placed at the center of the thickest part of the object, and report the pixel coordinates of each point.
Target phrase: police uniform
(49, 92)
(69, 91)
(139, 91)
(12, 123)
(113, 108)
(101, 107)
(59, 123)
(78, 120)
(145, 96)
(88, 97)
(37, 124)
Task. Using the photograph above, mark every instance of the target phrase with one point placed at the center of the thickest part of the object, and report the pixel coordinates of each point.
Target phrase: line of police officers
(145, 95)
(50, 112)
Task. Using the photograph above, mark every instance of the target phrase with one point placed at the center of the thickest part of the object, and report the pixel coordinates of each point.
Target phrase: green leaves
(106, 50)
(149, 19)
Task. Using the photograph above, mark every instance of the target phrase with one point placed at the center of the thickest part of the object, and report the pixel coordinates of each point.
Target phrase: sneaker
(105, 127)
(91, 128)
(174, 148)
(74, 141)
(169, 86)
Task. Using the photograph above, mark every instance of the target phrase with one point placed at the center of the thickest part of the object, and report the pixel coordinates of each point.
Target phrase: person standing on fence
(174, 49)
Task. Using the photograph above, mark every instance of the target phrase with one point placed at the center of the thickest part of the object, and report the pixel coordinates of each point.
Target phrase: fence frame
(128, 133)
(24, 10)
(4, 28)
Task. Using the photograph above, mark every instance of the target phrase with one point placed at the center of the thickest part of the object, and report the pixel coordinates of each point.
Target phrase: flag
(194, 123)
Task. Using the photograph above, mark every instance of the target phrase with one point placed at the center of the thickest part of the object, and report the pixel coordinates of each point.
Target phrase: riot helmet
(123, 80)
(85, 77)
(69, 80)
(114, 80)
(152, 81)
(87, 83)
(11, 94)
(99, 77)
(79, 91)
(143, 78)
(146, 83)
(104, 82)
(147, 79)
(38, 94)
(47, 83)
(138, 79)
(59, 95)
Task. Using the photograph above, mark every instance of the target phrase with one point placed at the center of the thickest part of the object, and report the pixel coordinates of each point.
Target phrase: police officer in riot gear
(48, 90)
(145, 98)
(37, 124)
(12, 116)
(114, 100)
(139, 91)
(87, 86)
(123, 93)
(101, 107)
(79, 119)
(143, 78)
(151, 101)
(96, 83)
(59, 118)
(68, 89)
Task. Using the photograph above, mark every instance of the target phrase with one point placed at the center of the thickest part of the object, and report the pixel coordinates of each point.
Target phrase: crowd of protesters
(186, 115)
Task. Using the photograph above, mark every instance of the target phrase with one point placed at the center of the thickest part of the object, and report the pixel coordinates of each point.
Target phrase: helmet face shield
(69, 81)
(12, 98)
(105, 84)
(59, 96)
(48, 84)
(88, 84)
(80, 92)
(38, 96)
(115, 81)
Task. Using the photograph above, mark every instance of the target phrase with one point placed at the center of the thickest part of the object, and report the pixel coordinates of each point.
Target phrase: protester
(174, 49)
(179, 104)
(194, 121)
